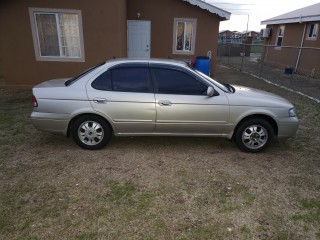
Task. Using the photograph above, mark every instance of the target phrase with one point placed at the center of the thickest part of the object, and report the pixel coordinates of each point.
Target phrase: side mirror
(210, 91)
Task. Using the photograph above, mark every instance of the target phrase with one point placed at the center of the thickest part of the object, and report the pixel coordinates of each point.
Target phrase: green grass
(1, 77)
(256, 49)
(13, 117)
(119, 191)
(309, 212)
(87, 236)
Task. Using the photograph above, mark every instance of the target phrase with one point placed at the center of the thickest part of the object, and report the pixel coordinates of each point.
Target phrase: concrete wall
(104, 31)
(287, 57)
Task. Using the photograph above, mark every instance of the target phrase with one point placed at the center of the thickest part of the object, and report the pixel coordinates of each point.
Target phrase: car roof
(144, 60)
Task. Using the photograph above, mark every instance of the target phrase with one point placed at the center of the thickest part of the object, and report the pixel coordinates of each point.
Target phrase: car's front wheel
(91, 132)
(254, 135)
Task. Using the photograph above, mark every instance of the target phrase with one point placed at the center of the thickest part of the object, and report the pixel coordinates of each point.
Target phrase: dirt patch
(158, 187)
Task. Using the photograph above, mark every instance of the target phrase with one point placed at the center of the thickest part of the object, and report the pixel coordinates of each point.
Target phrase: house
(295, 39)
(253, 34)
(45, 39)
(229, 36)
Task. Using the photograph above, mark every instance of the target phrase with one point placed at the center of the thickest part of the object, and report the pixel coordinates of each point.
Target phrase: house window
(184, 36)
(57, 34)
(312, 31)
(280, 36)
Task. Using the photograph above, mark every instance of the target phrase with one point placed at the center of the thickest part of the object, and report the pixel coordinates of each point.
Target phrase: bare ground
(158, 187)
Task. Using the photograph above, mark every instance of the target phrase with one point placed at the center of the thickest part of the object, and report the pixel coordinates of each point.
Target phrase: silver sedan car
(155, 97)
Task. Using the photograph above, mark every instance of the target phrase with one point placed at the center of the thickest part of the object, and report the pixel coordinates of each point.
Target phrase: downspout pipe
(301, 45)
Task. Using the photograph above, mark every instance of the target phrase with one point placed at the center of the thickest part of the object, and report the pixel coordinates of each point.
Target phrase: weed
(120, 191)
(310, 212)
(228, 207)
(87, 236)
(245, 232)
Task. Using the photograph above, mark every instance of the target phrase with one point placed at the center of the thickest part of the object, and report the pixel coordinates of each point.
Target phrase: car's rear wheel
(254, 135)
(91, 132)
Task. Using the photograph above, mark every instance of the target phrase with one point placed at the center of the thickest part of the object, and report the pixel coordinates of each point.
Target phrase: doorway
(139, 39)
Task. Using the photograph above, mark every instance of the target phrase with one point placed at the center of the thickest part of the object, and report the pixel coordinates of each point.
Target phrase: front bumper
(287, 127)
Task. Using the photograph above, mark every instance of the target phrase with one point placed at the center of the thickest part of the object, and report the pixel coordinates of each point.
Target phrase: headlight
(292, 112)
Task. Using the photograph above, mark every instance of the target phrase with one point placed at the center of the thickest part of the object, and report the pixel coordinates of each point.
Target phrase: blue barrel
(203, 65)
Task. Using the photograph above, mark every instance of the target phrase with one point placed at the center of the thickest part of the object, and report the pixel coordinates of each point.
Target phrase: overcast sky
(258, 10)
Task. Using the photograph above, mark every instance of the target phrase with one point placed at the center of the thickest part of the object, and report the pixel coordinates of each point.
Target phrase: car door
(183, 106)
(125, 96)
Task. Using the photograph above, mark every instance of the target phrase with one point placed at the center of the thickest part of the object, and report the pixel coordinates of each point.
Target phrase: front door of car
(183, 106)
(125, 96)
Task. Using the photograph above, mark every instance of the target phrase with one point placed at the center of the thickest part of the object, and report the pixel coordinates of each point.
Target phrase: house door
(139, 39)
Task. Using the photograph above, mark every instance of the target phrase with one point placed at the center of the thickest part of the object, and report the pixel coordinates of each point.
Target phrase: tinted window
(130, 79)
(103, 82)
(171, 81)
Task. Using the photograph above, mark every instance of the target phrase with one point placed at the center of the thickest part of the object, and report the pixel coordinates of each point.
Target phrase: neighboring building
(253, 34)
(299, 28)
(44, 39)
(229, 36)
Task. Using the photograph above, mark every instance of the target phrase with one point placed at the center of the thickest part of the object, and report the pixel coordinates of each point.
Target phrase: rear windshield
(72, 80)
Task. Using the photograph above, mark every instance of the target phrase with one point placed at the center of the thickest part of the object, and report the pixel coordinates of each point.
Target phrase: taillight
(34, 101)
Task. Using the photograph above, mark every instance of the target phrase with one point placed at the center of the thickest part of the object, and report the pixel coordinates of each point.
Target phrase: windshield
(72, 80)
(219, 85)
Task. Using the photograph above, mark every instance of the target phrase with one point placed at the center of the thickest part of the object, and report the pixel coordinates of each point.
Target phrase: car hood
(255, 97)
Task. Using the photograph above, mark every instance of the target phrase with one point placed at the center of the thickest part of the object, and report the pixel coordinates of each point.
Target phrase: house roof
(226, 31)
(222, 13)
(248, 31)
(306, 14)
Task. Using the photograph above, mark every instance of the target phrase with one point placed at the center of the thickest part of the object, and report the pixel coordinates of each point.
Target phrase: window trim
(278, 36)
(194, 33)
(36, 42)
(316, 25)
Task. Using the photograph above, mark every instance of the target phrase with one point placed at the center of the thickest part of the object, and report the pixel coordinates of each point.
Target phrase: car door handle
(165, 103)
(100, 100)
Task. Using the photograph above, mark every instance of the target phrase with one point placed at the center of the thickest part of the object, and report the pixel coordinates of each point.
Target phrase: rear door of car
(124, 94)
(183, 106)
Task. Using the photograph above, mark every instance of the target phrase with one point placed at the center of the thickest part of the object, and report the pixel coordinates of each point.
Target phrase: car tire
(91, 132)
(254, 135)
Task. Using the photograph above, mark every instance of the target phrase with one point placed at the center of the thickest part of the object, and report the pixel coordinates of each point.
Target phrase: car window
(171, 81)
(123, 79)
(130, 79)
(216, 83)
(103, 82)
(72, 80)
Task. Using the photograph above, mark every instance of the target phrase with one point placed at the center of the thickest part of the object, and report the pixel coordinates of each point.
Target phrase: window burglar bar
(58, 34)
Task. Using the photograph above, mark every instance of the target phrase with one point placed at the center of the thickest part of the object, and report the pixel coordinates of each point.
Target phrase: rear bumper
(50, 122)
